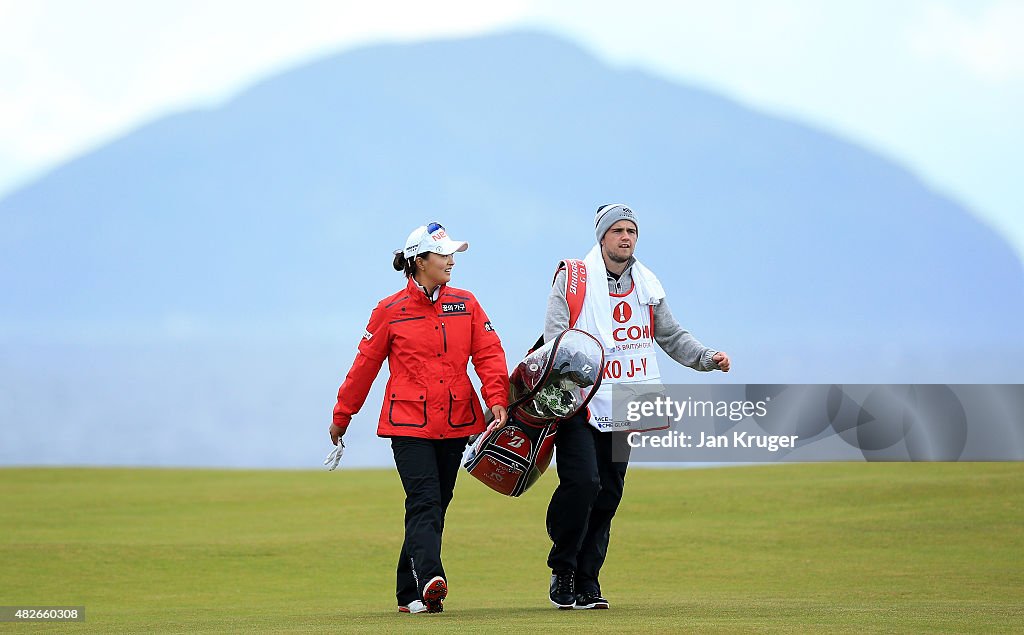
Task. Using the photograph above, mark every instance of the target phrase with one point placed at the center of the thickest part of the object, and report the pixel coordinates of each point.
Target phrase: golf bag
(552, 383)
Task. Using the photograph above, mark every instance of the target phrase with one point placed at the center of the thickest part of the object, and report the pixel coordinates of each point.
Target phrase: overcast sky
(937, 85)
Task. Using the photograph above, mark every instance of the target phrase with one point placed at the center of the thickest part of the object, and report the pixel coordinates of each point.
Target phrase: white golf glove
(334, 457)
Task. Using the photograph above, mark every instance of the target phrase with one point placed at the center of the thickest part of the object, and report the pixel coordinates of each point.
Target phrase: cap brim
(449, 247)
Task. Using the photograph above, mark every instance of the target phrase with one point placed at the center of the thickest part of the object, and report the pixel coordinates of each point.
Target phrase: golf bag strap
(575, 287)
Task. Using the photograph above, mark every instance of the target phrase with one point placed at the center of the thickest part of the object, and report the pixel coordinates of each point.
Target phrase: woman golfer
(428, 332)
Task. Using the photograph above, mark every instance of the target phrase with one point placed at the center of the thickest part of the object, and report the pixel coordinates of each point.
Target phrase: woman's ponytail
(403, 264)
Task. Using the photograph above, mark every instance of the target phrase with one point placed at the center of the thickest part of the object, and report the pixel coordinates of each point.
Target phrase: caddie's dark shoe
(434, 593)
(563, 593)
(590, 600)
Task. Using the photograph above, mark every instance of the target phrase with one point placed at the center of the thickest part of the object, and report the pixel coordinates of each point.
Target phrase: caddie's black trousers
(428, 468)
(589, 489)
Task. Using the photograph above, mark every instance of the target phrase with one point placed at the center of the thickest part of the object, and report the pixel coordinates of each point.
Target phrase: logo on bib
(622, 312)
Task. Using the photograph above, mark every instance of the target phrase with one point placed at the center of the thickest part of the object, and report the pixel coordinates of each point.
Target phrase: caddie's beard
(617, 258)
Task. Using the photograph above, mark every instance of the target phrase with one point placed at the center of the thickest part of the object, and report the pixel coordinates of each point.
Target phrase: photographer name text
(769, 442)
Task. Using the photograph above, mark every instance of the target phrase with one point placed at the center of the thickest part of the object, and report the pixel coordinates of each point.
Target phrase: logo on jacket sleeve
(453, 307)
(367, 335)
(488, 326)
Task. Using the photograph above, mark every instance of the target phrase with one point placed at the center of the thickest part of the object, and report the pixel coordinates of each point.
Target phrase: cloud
(989, 44)
(75, 74)
(933, 82)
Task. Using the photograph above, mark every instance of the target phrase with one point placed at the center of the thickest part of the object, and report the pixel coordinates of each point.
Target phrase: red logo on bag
(622, 312)
(514, 441)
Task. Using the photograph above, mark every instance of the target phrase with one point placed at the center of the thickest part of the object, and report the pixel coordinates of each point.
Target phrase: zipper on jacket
(405, 320)
(444, 337)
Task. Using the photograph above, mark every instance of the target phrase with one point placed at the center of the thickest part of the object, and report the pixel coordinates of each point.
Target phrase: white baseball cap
(432, 238)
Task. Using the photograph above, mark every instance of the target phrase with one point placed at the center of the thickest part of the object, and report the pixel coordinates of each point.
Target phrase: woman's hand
(336, 433)
(500, 416)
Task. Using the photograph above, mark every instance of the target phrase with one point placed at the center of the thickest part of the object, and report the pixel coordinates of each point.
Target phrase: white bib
(629, 359)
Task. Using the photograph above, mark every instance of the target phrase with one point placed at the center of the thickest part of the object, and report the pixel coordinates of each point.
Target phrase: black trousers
(428, 468)
(589, 489)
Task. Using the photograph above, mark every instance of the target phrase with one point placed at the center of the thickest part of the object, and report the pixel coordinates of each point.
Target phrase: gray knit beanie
(608, 215)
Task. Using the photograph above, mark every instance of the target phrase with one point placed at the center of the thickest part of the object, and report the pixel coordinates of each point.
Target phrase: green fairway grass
(797, 548)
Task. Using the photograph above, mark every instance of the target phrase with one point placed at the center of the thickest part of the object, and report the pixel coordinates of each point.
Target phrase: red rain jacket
(428, 346)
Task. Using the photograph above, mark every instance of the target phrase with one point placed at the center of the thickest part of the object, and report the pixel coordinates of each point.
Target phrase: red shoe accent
(434, 592)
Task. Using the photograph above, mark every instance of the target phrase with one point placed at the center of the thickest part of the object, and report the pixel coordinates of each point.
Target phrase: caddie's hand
(722, 360)
(336, 433)
(500, 416)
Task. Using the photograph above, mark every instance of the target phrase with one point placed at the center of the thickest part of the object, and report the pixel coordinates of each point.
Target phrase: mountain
(212, 271)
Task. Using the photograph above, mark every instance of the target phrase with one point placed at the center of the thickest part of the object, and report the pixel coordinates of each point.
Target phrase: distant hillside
(272, 218)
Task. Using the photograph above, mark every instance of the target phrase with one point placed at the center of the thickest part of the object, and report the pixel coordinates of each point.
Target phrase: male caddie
(619, 301)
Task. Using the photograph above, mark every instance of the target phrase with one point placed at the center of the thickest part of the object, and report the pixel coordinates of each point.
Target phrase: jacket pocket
(407, 406)
(461, 412)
